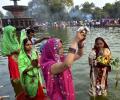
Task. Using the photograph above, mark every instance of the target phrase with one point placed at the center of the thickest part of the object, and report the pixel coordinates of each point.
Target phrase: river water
(80, 68)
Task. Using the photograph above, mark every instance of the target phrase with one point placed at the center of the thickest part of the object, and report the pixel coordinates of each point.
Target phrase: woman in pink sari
(56, 67)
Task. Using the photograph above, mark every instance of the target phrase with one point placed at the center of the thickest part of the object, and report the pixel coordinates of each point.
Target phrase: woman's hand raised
(80, 36)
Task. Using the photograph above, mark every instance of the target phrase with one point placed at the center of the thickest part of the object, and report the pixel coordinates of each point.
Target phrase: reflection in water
(80, 68)
(99, 98)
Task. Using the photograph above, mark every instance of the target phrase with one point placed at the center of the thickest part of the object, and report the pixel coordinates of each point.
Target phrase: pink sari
(59, 86)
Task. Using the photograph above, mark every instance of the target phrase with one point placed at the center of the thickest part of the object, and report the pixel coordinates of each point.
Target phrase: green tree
(1, 15)
(88, 7)
(67, 3)
(109, 9)
(98, 13)
(57, 8)
(75, 13)
(112, 9)
(43, 10)
(116, 10)
(38, 10)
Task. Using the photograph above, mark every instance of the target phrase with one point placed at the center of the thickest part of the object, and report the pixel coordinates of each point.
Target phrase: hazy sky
(99, 3)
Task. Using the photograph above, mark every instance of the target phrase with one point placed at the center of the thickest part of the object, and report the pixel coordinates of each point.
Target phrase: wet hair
(30, 31)
(105, 44)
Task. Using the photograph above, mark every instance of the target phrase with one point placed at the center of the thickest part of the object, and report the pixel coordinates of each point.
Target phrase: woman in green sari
(29, 73)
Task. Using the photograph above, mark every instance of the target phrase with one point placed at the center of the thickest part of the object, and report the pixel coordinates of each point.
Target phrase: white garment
(33, 39)
(92, 57)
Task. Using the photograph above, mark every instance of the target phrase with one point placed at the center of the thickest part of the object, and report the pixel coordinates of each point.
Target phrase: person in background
(99, 59)
(56, 67)
(30, 34)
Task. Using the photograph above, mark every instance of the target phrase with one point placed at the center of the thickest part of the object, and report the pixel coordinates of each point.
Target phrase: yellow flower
(102, 59)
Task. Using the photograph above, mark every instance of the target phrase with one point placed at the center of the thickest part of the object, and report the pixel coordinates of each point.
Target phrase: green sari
(9, 43)
(30, 80)
(22, 37)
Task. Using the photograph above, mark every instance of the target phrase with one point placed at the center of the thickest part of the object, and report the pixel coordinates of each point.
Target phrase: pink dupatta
(59, 86)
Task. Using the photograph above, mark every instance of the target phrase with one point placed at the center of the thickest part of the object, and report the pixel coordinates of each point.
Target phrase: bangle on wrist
(66, 66)
(72, 50)
(80, 46)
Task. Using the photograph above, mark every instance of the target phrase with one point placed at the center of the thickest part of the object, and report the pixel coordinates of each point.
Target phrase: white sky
(99, 3)
(8, 2)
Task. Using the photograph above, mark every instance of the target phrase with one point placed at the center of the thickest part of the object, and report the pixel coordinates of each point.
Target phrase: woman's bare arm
(78, 54)
(60, 67)
(41, 39)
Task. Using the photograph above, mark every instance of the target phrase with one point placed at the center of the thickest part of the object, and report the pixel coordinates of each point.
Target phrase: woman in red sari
(10, 48)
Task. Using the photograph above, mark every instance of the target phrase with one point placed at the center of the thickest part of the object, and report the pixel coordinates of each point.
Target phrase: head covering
(22, 37)
(9, 43)
(59, 85)
(97, 49)
(50, 50)
(30, 80)
(105, 43)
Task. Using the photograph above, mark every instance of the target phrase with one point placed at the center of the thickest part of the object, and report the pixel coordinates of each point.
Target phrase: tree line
(57, 10)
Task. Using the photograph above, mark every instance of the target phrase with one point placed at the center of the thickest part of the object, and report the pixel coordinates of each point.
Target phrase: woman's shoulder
(92, 53)
(106, 49)
(21, 56)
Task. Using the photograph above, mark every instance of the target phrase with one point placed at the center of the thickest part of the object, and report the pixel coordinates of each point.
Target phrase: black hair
(25, 41)
(100, 38)
(105, 44)
(30, 31)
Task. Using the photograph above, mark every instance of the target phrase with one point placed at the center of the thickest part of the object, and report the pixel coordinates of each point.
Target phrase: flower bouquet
(102, 60)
